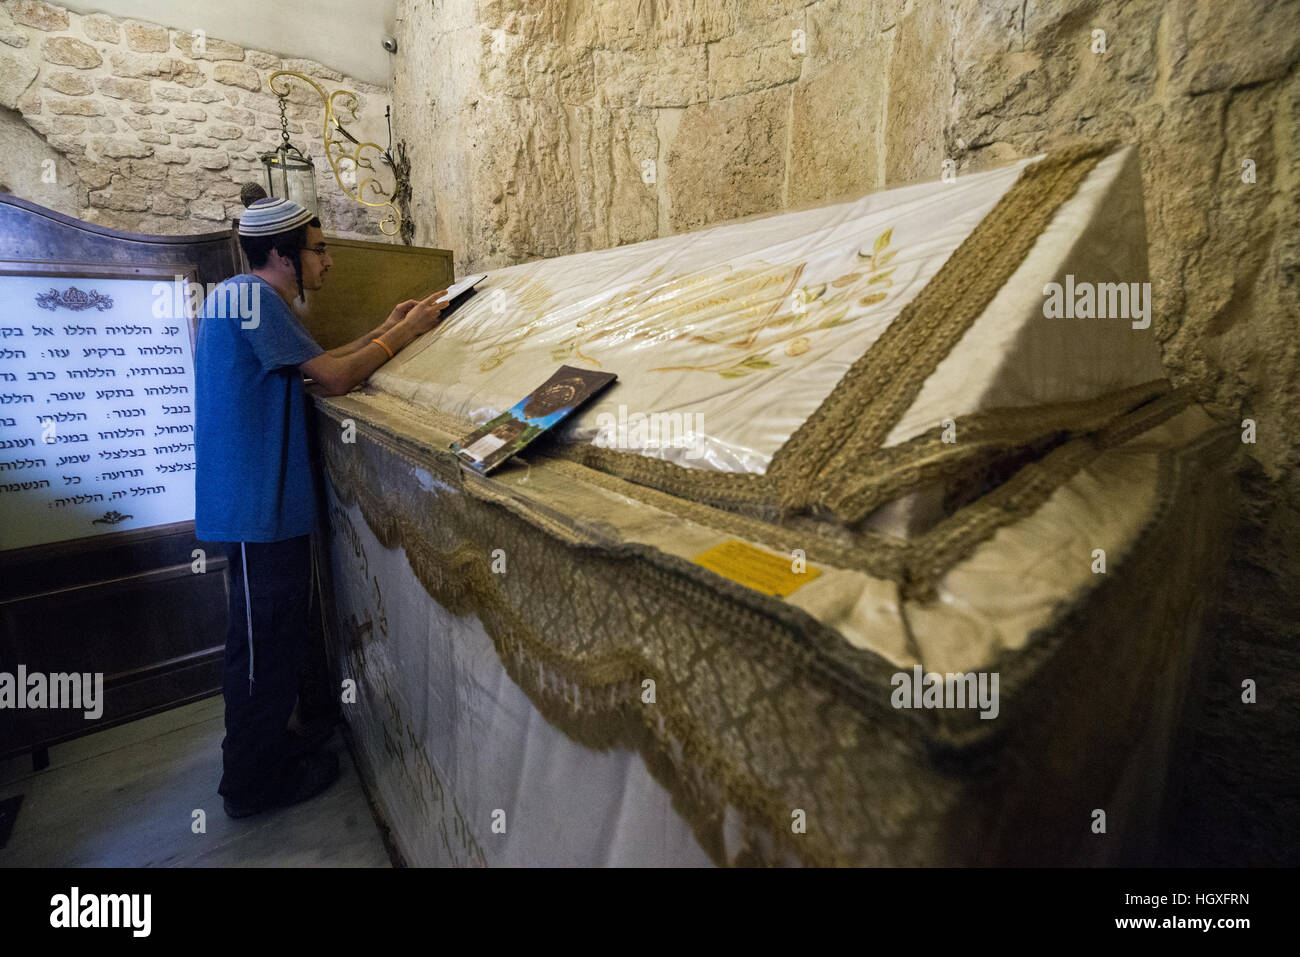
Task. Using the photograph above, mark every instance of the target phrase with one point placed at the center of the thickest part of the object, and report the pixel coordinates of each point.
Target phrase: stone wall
(538, 128)
(1211, 93)
(157, 133)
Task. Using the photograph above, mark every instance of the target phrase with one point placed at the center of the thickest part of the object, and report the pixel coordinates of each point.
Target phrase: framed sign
(96, 400)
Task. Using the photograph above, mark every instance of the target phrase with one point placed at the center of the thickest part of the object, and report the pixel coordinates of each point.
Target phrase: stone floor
(126, 797)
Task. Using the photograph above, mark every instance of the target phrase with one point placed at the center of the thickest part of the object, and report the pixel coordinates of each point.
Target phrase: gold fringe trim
(593, 695)
(578, 632)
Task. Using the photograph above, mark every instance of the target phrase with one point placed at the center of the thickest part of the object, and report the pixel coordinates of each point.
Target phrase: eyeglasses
(320, 250)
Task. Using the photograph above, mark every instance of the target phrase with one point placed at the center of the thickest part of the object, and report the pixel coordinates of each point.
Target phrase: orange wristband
(384, 347)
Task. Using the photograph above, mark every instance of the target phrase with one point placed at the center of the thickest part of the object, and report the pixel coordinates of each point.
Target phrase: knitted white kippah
(269, 216)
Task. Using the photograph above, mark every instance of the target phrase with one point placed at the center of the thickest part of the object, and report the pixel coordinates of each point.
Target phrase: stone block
(232, 74)
(69, 124)
(146, 37)
(74, 144)
(165, 205)
(208, 209)
(311, 68)
(1215, 37)
(840, 29)
(195, 113)
(30, 102)
(70, 84)
(94, 175)
(760, 57)
(142, 169)
(214, 160)
(261, 102)
(677, 24)
(837, 134)
(41, 16)
(616, 204)
(523, 181)
(139, 66)
(69, 51)
(727, 159)
(41, 124)
(122, 89)
(920, 91)
(117, 147)
(80, 107)
(120, 198)
(198, 142)
(16, 75)
(152, 136)
(663, 77)
(181, 185)
(242, 118)
(213, 49)
(101, 29)
(259, 60)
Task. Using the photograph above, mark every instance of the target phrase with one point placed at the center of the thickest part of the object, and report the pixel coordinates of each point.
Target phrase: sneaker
(310, 775)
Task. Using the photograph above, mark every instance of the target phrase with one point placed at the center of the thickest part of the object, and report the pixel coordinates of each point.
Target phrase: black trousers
(272, 653)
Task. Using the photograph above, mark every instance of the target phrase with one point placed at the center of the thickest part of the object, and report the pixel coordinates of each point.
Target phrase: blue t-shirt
(252, 475)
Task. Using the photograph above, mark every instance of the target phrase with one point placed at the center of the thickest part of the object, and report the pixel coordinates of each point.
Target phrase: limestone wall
(150, 133)
(1211, 93)
(542, 128)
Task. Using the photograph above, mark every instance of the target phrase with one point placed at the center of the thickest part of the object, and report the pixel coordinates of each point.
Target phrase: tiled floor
(126, 797)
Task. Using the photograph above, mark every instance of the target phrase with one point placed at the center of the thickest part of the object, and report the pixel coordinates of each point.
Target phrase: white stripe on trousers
(248, 612)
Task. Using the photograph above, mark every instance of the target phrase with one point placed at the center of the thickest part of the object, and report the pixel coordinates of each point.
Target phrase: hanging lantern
(289, 174)
(292, 175)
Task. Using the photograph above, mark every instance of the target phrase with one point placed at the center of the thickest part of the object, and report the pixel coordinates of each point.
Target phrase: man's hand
(339, 374)
(423, 315)
(398, 314)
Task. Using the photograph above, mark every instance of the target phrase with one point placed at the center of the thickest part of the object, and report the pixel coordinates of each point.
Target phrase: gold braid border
(916, 563)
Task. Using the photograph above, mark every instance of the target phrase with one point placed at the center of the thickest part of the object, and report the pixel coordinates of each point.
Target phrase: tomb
(898, 464)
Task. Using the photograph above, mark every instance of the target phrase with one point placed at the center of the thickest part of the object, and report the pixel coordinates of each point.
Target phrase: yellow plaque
(758, 569)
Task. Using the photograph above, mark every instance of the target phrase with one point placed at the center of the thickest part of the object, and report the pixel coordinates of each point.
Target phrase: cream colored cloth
(744, 328)
(726, 339)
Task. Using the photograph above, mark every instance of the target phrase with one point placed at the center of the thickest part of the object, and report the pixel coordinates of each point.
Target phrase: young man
(255, 491)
